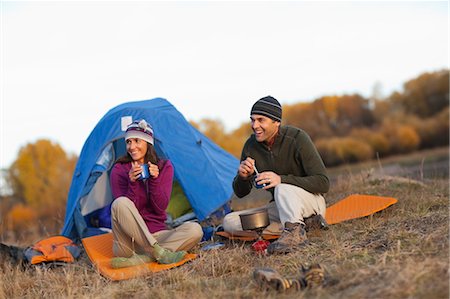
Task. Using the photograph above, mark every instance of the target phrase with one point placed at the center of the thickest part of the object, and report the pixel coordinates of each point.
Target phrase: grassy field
(401, 252)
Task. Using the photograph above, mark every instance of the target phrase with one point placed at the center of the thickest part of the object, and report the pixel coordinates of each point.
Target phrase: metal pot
(255, 220)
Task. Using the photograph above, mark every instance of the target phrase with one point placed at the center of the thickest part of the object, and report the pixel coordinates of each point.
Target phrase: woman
(138, 211)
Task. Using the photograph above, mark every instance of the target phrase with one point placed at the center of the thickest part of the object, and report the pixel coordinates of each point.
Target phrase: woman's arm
(160, 188)
(120, 181)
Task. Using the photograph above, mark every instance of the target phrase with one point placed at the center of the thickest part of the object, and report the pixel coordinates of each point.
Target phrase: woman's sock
(165, 256)
(134, 260)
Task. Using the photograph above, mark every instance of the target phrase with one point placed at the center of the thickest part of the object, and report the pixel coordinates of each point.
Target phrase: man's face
(263, 127)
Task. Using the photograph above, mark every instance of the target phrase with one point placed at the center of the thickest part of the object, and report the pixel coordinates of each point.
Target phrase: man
(289, 167)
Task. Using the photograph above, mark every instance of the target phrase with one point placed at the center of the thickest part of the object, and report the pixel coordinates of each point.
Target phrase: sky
(65, 64)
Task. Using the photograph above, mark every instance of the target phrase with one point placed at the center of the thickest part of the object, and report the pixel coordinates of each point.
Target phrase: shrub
(337, 150)
(377, 141)
(20, 217)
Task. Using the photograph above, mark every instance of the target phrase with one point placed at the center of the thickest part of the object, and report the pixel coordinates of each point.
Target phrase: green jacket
(293, 157)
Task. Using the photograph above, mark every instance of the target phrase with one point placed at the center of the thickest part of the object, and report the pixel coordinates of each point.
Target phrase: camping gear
(202, 169)
(145, 174)
(258, 186)
(260, 246)
(246, 235)
(268, 278)
(315, 222)
(53, 249)
(99, 250)
(351, 207)
(255, 221)
(357, 206)
(310, 277)
(212, 246)
(313, 276)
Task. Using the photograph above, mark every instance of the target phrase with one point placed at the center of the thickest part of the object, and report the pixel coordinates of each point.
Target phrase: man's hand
(270, 178)
(246, 168)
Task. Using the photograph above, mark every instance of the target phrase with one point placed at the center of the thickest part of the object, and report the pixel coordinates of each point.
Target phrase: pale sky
(65, 64)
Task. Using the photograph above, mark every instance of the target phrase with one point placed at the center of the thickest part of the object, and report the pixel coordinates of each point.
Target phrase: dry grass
(401, 252)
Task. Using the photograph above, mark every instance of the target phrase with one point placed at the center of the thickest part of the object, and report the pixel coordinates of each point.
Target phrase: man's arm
(242, 183)
(316, 179)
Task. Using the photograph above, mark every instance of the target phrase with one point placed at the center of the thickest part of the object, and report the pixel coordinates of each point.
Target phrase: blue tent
(203, 169)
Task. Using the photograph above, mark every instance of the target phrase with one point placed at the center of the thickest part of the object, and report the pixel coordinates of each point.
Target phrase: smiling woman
(138, 211)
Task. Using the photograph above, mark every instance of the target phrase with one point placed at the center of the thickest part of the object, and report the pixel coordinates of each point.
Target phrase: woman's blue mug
(145, 174)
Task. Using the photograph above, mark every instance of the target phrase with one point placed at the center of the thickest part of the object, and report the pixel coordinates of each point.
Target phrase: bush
(377, 141)
(20, 217)
(337, 150)
(402, 138)
(433, 131)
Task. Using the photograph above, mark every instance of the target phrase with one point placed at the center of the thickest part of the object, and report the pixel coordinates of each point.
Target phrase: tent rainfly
(203, 170)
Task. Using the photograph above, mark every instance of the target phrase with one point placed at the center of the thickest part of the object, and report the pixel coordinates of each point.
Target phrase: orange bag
(53, 249)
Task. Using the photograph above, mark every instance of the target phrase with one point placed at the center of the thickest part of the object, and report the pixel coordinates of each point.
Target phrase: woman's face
(137, 148)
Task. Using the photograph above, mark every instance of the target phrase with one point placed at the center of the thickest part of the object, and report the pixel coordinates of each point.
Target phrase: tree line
(352, 128)
(345, 129)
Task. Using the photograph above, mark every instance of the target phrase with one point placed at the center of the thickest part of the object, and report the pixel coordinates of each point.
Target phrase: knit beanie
(267, 106)
(140, 129)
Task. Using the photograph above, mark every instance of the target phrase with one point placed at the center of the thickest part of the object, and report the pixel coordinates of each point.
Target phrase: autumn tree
(425, 95)
(237, 138)
(230, 142)
(40, 178)
(330, 116)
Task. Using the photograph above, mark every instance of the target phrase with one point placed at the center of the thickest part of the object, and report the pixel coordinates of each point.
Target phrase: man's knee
(232, 222)
(285, 189)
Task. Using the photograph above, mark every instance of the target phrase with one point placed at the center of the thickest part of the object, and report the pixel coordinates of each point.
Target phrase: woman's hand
(135, 171)
(153, 169)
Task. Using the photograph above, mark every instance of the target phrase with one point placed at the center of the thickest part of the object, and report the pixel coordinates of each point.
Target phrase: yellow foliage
(20, 217)
(408, 139)
(41, 175)
(230, 142)
(402, 138)
(339, 150)
(376, 140)
(330, 106)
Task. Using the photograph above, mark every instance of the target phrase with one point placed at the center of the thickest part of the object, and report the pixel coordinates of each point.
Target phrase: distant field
(401, 252)
(429, 164)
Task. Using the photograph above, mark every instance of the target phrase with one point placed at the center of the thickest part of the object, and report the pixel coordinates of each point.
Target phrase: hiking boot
(134, 260)
(268, 278)
(292, 238)
(315, 222)
(313, 276)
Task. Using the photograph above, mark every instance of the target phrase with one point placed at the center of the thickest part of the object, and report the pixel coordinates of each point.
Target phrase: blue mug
(145, 174)
(258, 186)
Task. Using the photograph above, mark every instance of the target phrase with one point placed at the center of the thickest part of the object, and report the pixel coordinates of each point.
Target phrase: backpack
(53, 249)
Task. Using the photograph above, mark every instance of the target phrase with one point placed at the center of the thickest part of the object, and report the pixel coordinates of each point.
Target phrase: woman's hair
(150, 156)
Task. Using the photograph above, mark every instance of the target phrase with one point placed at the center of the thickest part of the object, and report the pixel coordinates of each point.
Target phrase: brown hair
(150, 156)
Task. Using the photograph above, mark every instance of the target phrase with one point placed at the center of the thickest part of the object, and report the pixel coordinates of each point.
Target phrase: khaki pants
(132, 235)
(292, 204)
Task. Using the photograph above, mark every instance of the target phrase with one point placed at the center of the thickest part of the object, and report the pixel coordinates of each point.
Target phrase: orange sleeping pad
(99, 250)
(357, 206)
(351, 207)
